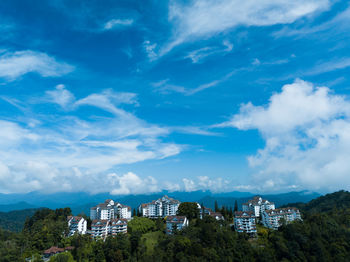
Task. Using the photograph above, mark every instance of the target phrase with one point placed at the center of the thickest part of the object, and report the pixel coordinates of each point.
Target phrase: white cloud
(67, 152)
(197, 56)
(329, 66)
(164, 87)
(108, 100)
(150, 50)
(16, 64)
(205, 183)
(116, 23)
(202, 19)
(130, 183)
(189, 185)
(196, 130)
(214, 82)
(339, 23)
(306, 130)
(61, 96)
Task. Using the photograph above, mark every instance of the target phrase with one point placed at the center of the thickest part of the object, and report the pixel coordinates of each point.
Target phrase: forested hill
(323, 235)
(325, 204)
(14, 220)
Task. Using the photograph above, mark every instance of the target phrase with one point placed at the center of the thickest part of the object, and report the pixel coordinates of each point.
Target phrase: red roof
(54, 250)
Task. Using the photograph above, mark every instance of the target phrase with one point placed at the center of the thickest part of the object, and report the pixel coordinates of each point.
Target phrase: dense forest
(14, 220)
(323, 235)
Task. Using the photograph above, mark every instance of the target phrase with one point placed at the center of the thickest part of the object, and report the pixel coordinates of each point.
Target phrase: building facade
(175, 222)
(274, 218)
(257, 205)
(112, 227)
(110, 210)
(99, 228)
(117, 226)
(245, 221)
(77, 225)
(161, 207)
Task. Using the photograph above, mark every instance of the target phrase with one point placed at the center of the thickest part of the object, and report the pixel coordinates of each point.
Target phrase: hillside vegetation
(14, 220)
(324, 235)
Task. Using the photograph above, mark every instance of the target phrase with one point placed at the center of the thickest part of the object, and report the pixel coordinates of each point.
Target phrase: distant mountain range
(81, 202)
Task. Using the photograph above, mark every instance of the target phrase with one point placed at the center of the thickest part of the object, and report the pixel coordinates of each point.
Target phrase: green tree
(141, 224)
(63, 257)
(189, 210)
(216, 208)
(236, 206)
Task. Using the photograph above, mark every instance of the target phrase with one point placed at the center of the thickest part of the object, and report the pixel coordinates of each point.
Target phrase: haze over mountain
(81, 202)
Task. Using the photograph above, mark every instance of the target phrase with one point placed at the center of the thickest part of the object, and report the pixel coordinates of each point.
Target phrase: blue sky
(134, 97)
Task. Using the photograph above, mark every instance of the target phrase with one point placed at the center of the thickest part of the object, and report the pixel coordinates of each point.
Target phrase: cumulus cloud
(16, 64)
(306, 133)
(130, 183)
(202, 19)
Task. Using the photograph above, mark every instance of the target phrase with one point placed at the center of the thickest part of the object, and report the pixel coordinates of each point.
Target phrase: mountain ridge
(80, 202)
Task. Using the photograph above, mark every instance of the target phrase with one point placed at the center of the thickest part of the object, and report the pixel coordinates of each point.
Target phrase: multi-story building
(112, 227)
(245, 221)
(257, 205)
(110, 210)
(161, 207)
(117, 226)
(175, 222)
(76, 225)
(99, 228)
(204, 211)
(273, 218)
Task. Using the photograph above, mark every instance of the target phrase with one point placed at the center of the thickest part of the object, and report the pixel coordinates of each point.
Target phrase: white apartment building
(257, 205)
(110, 210)
(76, 225)
(117, 226)
(273, 218)
(178, 222)
(112, 227)
(245, 221)
(204, 211)
(99, 228)
(161, 207)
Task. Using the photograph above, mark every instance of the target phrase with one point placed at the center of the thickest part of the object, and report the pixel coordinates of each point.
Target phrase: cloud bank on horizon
(125, 97)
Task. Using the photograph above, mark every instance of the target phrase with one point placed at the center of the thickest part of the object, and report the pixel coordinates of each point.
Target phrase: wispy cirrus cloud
(80, 152)
(197, 56)
(61, 96)
(337, 24)
(117, 23)
(329, 66)
(68, 149)
(16, 64)
(165, 87)
(201, 19)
